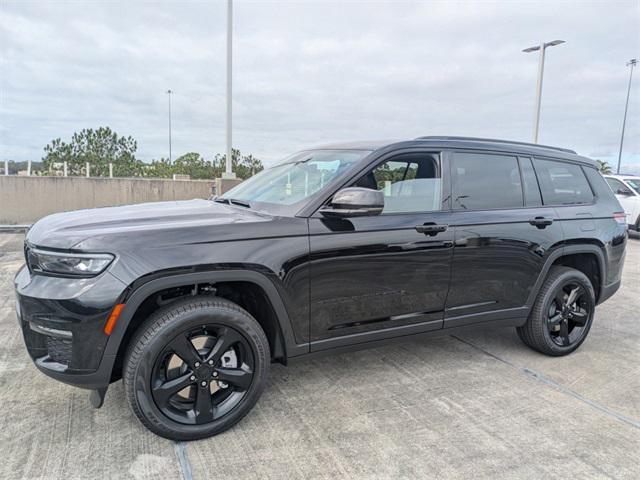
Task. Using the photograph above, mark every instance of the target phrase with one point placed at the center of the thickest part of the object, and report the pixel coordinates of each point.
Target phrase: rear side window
(562, 183)
(485, 181)
(531, 190)
(618, 187)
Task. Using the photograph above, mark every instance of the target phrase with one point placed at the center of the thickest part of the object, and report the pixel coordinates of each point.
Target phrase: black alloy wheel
(562, 314)
(196, 367)
(568, 314)
(202, 374)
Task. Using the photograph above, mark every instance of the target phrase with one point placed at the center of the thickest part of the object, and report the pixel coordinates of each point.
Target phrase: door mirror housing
(355, 202)
(623, 192)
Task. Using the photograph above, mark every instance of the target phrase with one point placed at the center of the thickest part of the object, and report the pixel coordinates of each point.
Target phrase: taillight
(620, 217)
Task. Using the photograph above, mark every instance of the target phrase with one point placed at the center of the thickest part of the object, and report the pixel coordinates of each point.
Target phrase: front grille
(59, 350)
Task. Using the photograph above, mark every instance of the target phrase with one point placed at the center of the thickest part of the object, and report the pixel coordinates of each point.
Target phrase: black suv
(339, 247)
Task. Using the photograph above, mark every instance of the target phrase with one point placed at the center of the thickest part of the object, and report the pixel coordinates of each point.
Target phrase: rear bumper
(62, 323)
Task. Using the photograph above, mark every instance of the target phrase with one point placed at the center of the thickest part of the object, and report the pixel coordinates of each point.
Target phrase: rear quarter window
(598, 183)
(562, 183)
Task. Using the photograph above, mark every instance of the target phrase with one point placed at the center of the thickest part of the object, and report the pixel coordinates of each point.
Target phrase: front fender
(135, 298)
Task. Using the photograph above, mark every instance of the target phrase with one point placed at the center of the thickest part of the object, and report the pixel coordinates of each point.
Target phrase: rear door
(503, 235)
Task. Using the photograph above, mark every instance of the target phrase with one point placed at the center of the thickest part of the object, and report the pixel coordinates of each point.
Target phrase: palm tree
(604, 167)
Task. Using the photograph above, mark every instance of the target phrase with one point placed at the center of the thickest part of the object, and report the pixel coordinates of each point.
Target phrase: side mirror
(355, 202)
(626, 193)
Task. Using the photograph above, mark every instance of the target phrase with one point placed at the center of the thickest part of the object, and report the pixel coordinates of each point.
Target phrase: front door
(385, 275)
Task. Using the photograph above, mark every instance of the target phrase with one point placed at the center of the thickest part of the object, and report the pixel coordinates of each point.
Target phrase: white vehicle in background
(627, 190)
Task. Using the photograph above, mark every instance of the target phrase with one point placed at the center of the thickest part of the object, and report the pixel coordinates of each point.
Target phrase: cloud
(310, 72)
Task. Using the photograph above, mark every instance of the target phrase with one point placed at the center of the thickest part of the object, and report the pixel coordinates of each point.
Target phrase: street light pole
(536, 120)
(542, 47)
(632, 63)
(228, 173)
(169, 92)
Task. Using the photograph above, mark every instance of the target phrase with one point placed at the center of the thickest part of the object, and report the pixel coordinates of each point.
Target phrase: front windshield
(295, 179)
(634, 183)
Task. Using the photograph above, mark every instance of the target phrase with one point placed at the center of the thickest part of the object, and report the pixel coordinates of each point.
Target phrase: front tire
(195, 368)
(562, 313)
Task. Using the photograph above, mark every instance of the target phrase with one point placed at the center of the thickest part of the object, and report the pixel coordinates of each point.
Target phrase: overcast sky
(312, 72)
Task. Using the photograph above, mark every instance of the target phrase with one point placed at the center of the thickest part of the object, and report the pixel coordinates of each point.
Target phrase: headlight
(78, 264)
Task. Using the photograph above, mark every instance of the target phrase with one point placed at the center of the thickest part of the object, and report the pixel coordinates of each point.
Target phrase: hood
(162, 223)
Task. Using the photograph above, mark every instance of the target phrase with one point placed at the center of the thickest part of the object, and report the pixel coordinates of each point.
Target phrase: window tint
(618, 187)
(410, 183)
(531, 190)
(598, 184)
(482, 181)
(562, 183)
(634, 182)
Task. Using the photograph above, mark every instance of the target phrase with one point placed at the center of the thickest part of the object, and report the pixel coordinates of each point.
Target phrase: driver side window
(410, 183)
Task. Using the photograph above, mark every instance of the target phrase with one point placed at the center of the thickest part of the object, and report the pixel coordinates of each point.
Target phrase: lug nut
(210, 362)
(197, 364)
(215, 374)
(192, 378)
(204, 384)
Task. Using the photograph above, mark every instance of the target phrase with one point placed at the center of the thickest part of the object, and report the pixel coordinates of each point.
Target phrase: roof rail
(494, 140)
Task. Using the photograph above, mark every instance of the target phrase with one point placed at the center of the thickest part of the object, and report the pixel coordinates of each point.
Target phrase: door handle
(541, 222)
(431, 229)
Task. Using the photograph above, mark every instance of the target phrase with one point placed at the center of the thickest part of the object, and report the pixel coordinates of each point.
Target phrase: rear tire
(562, 313)
(187, 390)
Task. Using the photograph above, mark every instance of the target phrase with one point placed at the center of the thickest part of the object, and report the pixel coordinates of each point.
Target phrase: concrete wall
(223, 185)
(27, 199)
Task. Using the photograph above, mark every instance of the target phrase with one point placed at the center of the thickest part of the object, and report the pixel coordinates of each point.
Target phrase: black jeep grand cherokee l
(336, 247)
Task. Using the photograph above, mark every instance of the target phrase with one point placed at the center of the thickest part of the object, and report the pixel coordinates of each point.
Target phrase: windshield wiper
(233, 201)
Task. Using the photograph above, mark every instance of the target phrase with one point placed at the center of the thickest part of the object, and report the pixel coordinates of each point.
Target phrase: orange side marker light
(113, 318)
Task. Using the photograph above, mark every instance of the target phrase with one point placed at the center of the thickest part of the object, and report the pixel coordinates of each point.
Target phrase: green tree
(194, 165)
(99, 148)
(604, 167)
(244, 166)
(56, 152)
(103, 146)
(159, 169)
(249, 165)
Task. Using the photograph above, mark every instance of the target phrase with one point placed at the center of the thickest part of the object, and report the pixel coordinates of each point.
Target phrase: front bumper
(62, 321)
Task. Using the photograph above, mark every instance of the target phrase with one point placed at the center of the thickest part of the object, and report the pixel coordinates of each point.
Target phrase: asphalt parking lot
(477, 405)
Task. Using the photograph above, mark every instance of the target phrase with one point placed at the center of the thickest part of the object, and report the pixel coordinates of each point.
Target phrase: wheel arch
(569, 255)
(284, 347)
